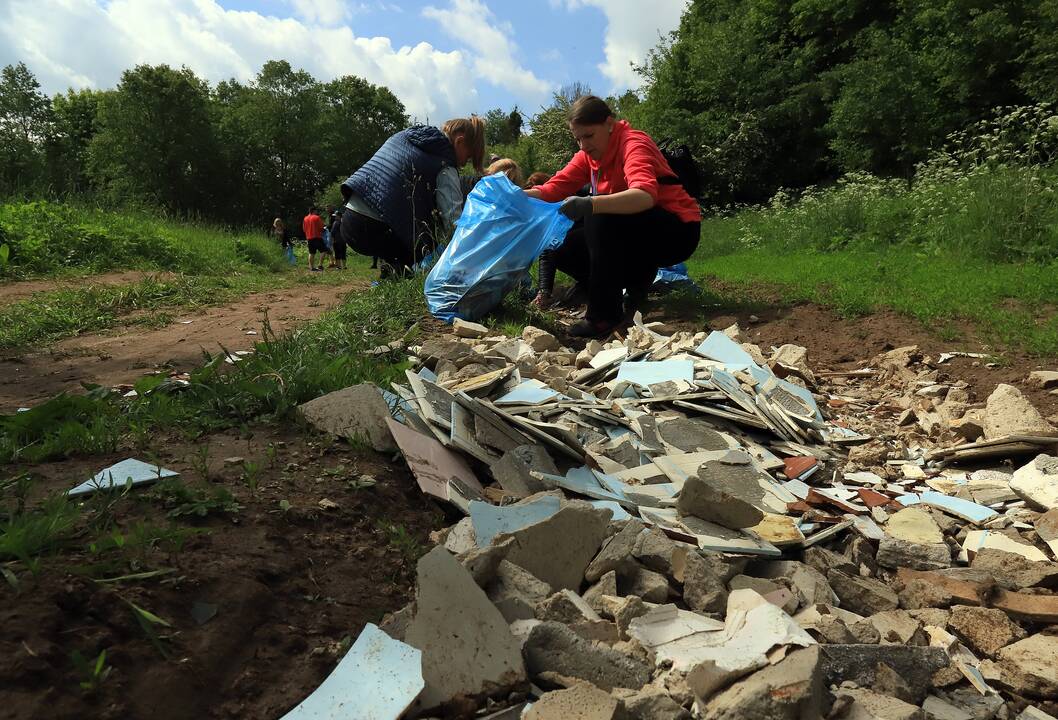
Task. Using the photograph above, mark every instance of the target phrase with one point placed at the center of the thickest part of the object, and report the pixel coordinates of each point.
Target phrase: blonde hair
(473, 131)
(508, 167)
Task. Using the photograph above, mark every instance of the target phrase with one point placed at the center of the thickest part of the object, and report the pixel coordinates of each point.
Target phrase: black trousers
(610, 253)
(374, 238)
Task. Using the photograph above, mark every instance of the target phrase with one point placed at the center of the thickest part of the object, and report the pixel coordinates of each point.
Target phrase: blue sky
(442, 58)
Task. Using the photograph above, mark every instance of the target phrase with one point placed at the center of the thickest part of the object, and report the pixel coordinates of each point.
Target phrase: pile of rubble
(669, 526)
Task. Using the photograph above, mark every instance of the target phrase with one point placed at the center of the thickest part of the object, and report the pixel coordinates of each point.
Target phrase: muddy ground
(292, 576)
(315, 551)
(124, 354)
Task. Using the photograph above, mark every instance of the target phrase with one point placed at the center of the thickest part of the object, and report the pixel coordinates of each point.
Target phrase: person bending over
(397, 198)
(638, 217)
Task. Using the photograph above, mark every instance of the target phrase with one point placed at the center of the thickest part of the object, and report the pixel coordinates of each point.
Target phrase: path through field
(125, 354)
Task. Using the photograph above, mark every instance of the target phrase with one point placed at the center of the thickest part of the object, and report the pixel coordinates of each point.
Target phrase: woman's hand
(542, 301)
(533, 193)
(576, 208)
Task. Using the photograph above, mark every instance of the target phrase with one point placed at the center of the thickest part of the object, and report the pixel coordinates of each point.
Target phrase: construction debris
(671, 526)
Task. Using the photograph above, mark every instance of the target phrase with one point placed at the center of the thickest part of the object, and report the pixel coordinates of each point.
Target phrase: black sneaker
(591, 329)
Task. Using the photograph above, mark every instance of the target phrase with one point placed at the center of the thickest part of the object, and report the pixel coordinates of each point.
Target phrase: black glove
(576, 208)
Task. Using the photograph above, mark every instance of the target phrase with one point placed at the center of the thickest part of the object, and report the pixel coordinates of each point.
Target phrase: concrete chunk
(647, 584)
(467, 647)
(466, 329)
(859, 664)
(653, 704)
(865, 596)
(914, 525)
(811, 585)
(558, 550)
(516, 592)
(705, 579)
(616, 553)
(896, 553)
(512, 471)
(789, 690)
(898, 627)
(711, 495)
(607, 586)
(566, 607)
(1015, 572)
(580, 702)
(655, 550)
(553, 647)
(984, 630)
(539, 340)
(1043, 379)
(354, 413)
(870, 705)
(1008, 412)
(1034, 662)
(1037, 482)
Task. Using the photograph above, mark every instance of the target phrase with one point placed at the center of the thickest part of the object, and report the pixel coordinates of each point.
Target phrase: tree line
(788, 93)
(234, 153)
(767, 94)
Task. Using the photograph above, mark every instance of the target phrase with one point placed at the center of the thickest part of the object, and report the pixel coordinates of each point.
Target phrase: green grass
(977, 249)
(48, 239)
(284, 371)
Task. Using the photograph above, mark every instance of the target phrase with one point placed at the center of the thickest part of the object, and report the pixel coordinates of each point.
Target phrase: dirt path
(125, 354)
(11, 293)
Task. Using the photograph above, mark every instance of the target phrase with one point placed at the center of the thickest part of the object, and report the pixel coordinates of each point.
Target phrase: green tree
(503, 128)
(25, 124)
(357, 118)
(76, 124)
(550, 136)
(155, 142)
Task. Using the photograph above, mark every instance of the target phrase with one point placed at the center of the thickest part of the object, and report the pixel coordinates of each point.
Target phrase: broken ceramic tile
(121, 474)
(378, 678)
(439, 471)
(530, 392)
(489, 520)
(646, 373)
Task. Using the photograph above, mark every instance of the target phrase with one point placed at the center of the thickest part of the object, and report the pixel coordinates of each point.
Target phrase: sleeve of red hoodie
(641, 166)
(567, 181)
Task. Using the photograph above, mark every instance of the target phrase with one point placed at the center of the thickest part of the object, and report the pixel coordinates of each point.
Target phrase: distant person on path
(328, 238)
(313, 227)
(396, 200)
(637, 219)
(339, 245)
(279, 231)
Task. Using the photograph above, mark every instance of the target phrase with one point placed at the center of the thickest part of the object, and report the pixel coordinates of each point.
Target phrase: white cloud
(325, 12)
(633, 29)
(471, 22)
(82, 43)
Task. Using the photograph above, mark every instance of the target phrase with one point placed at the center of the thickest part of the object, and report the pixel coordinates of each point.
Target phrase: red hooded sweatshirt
(632, 160)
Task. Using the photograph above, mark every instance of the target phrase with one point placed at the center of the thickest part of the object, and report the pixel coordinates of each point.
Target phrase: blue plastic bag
(499, 235)
(672, 276)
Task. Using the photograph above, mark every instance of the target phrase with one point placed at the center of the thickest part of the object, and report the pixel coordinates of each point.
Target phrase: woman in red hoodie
(637, 219)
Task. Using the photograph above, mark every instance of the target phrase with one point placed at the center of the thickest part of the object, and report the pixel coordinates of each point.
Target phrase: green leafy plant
(185, 501)
(149, 624)
(398, 537)
(251, 475)
(26, 536)
(93, 673)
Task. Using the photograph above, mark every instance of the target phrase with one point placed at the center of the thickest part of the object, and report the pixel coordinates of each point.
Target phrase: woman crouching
(637, 219)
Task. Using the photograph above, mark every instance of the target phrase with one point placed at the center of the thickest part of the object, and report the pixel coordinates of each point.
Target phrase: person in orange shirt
(313, 227)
